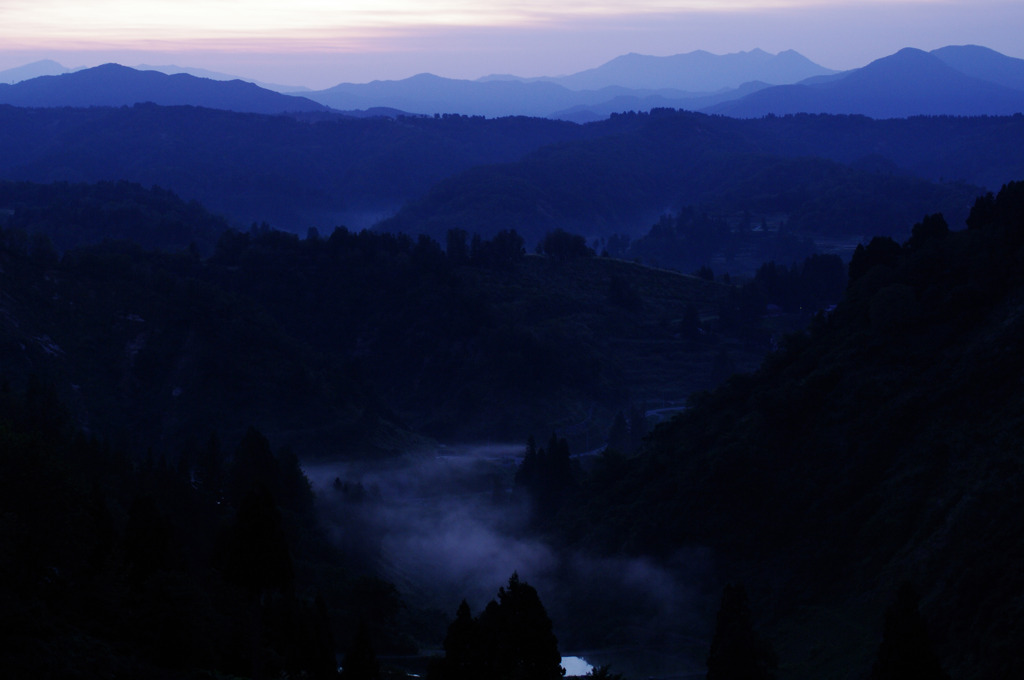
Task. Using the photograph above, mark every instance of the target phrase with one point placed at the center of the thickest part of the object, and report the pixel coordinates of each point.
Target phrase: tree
(881, 251)
(513, 639)
(519, 638)
(360, 661)
(147, 538)
(256, 553)
(931, 228)
(906, 651)
(462, 653)
(563, 246)
(737, 653)
(253, 466)
(456, 246)
(546, 474)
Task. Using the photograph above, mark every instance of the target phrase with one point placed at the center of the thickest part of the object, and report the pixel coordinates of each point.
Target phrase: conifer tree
(737, 653)
(360, 661)
(906, 651)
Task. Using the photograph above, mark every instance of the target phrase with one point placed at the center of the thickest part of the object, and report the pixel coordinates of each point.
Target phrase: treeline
(75, 215)
(694, 240)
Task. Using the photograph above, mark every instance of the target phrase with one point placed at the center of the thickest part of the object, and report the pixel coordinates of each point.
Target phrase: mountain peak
(910, 82)
(113, 84)
(43, 67)
(696, 71)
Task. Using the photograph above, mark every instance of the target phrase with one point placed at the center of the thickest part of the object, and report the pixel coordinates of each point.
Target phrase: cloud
(316, 24)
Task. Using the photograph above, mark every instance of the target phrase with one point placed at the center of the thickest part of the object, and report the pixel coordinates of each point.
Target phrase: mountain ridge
(117, 85)
(698, 71)
(910, 82)
(963, 80)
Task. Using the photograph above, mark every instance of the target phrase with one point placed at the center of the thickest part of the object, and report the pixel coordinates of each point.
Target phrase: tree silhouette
(931, 228)
(513, 639)
(360, 662)
(561, 245)
(736, 651)
(256, 552)
(546, 474)
(906, 651)
(146, 540)
(462, 646)
(521, 644)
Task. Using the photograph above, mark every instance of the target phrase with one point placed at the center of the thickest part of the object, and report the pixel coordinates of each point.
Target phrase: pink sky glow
(319, 43)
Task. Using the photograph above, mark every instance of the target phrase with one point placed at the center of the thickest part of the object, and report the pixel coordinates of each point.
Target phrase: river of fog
(444, 526)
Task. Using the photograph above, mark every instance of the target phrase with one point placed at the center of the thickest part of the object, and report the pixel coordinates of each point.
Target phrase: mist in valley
(448, 524)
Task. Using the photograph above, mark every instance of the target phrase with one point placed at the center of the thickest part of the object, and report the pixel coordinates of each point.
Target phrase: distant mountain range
(630, 82)
(45, 67)
(959, 81)
(956, 80)
(697, 71)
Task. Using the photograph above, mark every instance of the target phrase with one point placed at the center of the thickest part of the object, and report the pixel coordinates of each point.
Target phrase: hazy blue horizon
(459, 40)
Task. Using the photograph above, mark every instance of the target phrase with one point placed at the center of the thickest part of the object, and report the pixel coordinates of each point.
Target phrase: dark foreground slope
(883, 445)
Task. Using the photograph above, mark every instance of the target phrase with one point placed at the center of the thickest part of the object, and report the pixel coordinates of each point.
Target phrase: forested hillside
(822, 174)
(73, 215)
(339, 343)
(849, 182)
(294, 174)
(879, 446)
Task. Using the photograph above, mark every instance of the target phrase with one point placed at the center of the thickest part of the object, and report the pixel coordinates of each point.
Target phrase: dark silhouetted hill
(621, 183)
(615, 176)
(880, 446)
(74, 215)
(295, 174)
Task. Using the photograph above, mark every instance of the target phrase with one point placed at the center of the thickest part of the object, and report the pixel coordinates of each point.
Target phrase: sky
(319, 43)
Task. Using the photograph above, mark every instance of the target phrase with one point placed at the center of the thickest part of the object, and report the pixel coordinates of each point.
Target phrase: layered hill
(116, 85)
(621, 183)
(482, 175)
(43, 67)
(909, 83)
(253, 168)
(697, 71)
